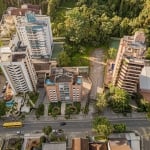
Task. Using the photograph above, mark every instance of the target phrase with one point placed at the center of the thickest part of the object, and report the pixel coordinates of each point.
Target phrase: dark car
(63, 123)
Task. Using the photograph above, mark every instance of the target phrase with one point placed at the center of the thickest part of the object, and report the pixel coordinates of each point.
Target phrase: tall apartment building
(18, 69)
(62, 85)
(129, 62)
(35, 32)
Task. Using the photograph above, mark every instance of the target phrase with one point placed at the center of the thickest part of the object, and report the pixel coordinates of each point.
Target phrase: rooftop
(61, 75)
(80, 144)
(119, 145)
(5, 54)
(145, 78)
(54, 146)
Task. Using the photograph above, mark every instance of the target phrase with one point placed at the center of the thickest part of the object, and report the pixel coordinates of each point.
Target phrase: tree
(40, 111)
(120, 100)
(47, 130)
(112, 52)
(101, 101)
(2, 108)
(147, 56)
(119, 128)
(63, 59)
(102, 126)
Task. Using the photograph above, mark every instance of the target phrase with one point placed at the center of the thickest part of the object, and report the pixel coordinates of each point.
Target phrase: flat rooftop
(5, 54)
(145, 78)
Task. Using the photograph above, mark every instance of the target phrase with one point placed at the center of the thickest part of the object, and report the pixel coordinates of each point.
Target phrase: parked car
(63, 123)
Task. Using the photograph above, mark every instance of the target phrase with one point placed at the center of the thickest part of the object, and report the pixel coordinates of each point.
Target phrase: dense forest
(92, 22)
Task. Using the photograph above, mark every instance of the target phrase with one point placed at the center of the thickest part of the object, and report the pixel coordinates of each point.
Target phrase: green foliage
(119, 100)
(102, 126)
(112, 52)
(143, 105)
(2, 108)
(47, 130)
(33, 96)
(63, 59)
(119, 128)
(39, 111)
(74, 108)
(147, 56)
(54, 108)
(101, 101)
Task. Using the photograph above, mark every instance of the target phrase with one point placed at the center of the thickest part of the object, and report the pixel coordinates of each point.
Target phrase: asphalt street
(73, 125)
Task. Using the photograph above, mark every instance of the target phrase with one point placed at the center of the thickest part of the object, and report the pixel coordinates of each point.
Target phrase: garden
(73, 108)
(54, 108)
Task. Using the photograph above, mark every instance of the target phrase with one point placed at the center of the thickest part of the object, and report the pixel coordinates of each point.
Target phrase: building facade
(18, 69)
(35, 32)
(129, 62)
(63, 86)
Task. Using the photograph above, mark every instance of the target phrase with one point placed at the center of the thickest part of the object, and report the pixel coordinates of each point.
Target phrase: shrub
(119, 128)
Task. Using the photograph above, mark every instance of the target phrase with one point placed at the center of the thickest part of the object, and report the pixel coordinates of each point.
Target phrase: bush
(33, 96)
(78, 106)
(119, 128)
(39, 111)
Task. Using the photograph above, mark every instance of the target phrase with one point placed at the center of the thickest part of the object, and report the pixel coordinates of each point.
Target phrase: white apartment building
(18, 69)
(35, 32)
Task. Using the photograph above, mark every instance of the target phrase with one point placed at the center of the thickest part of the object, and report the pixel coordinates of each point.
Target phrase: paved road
(96, 72)
(142, 126)
(75, 125)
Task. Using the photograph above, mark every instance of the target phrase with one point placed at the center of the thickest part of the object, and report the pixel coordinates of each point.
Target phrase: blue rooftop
(48, 82)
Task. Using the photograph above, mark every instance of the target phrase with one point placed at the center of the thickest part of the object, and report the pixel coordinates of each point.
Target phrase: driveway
(96, 72)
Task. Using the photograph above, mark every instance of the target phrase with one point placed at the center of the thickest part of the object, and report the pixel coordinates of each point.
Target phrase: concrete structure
(42, 67)
(35, 32)
(54, 146)
(18, 69)
(63, 86)
(129, 62)
(144, 85)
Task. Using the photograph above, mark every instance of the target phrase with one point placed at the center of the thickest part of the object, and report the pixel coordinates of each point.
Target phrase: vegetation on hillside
(86, 23)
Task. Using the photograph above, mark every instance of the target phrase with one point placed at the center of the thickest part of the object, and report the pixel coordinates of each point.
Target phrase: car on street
(62, 123)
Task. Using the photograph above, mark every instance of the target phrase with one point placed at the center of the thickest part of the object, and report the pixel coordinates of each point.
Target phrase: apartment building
(129, 62)
(18, 69)
(13, 11)
(35, 32)
(62, 85)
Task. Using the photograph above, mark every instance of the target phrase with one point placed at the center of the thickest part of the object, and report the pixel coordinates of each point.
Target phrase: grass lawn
(114, 43)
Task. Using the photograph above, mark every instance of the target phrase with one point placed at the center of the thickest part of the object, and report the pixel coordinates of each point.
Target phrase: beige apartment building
(62, 85)
(129, 62)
